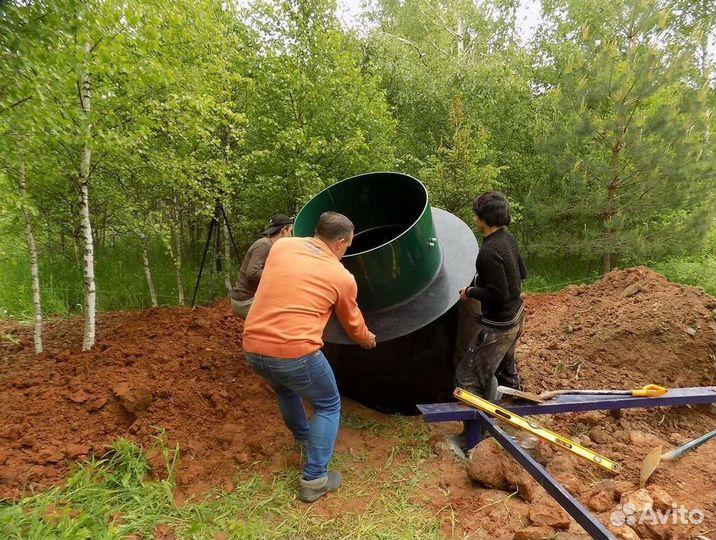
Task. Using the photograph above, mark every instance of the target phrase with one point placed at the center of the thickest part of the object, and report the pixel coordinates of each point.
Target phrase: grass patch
(696, 270)
(546, 274)
(113, 498)
(120, 281)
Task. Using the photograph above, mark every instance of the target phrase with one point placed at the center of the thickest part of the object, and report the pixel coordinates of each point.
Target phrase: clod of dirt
(133, 399)
(74, 451)
(659, 531)
(80, 396)
(570, 482)
(625, 532)
(677, 439)
(534, 533)
(621, 487)
(660, 497)
(489, 465)
(561, 464)
(49, 455)
(638, 500)
(95, 403)
(164, 532)
(602, 500)
(639, 438)
(592, 418)
(549, 514)
(598, 435)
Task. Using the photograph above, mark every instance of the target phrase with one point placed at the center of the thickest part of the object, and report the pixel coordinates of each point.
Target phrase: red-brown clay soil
(182, 370)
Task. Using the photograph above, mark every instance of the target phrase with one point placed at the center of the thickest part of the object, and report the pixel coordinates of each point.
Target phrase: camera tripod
(219, 215)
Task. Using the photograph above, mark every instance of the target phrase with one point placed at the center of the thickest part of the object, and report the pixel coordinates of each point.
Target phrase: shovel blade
(651, 462)
(520, 394)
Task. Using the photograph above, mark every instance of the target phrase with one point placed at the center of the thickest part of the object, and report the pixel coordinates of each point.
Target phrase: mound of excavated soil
(175, 368)
(182, 370)
(631, 328)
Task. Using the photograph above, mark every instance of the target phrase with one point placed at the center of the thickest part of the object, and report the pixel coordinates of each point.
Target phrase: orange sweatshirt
(301, 284)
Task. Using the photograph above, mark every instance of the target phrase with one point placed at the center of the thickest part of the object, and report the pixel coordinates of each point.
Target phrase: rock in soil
(549, 514)
(662, 500)
(561, 464)
(624, 532)
(489, 465)
(534, 533)
(636, 501)
(602, 500)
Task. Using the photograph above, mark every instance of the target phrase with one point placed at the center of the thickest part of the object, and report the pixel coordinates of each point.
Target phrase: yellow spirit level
(542, 433)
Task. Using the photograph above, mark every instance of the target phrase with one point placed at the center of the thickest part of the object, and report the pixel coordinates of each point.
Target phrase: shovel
(650, 390)
(654, 457)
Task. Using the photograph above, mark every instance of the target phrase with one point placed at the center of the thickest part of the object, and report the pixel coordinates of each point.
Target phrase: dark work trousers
(491, 354)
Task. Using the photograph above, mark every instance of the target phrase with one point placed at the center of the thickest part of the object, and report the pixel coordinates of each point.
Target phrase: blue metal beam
(443, 412)
(574, 508)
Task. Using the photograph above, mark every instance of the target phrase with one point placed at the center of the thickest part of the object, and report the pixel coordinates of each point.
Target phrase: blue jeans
(311, 378)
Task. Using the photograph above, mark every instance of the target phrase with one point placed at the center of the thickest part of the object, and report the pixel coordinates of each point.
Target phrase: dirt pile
(631, 328)
(170, 368)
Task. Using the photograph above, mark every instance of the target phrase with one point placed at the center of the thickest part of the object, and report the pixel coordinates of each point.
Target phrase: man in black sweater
(490, 358)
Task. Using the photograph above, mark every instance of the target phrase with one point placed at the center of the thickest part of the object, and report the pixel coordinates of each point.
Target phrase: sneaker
(312, 490)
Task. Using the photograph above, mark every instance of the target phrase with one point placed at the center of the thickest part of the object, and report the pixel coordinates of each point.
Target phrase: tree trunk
(176, 228)
(76, 247)
(32, 249)
(227, 258)
(611, 206)
(225, 227)
(148, 271)
(460, 36)
(86, 226)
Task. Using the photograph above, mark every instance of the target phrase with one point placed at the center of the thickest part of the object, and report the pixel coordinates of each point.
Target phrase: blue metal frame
(444, 412)
(574, 508)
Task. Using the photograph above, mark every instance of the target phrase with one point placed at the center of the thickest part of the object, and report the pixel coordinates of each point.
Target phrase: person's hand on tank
(463, 294)
(370, 344)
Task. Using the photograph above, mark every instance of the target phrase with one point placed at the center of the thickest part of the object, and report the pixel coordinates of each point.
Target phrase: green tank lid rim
(424, 192)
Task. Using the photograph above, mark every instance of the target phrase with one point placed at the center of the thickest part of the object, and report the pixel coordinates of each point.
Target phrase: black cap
(278, 222)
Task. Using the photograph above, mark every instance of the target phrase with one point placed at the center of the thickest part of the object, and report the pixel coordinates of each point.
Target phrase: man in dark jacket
(252, 267)
(490, 358)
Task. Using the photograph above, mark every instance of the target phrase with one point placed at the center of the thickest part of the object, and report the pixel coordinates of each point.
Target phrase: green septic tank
(409, 261)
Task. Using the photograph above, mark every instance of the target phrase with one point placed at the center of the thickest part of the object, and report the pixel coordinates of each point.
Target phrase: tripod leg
(231, 236)
(203, 260)
(219, 265)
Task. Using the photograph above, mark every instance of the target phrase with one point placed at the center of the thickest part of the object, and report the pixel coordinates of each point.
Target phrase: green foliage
(696, 270)
(600, 130)
(460, 168)
(625, 122)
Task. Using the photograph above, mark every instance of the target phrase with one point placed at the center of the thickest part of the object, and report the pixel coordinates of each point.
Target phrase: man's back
(251, 269)
(500, 269)
(301, 282)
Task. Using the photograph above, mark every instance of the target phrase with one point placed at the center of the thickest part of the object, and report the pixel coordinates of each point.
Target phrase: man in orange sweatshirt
(303, 281)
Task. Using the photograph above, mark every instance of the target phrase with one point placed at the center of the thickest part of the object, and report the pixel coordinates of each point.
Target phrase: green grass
(546, 274)
(120, 281)
(113, 498)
